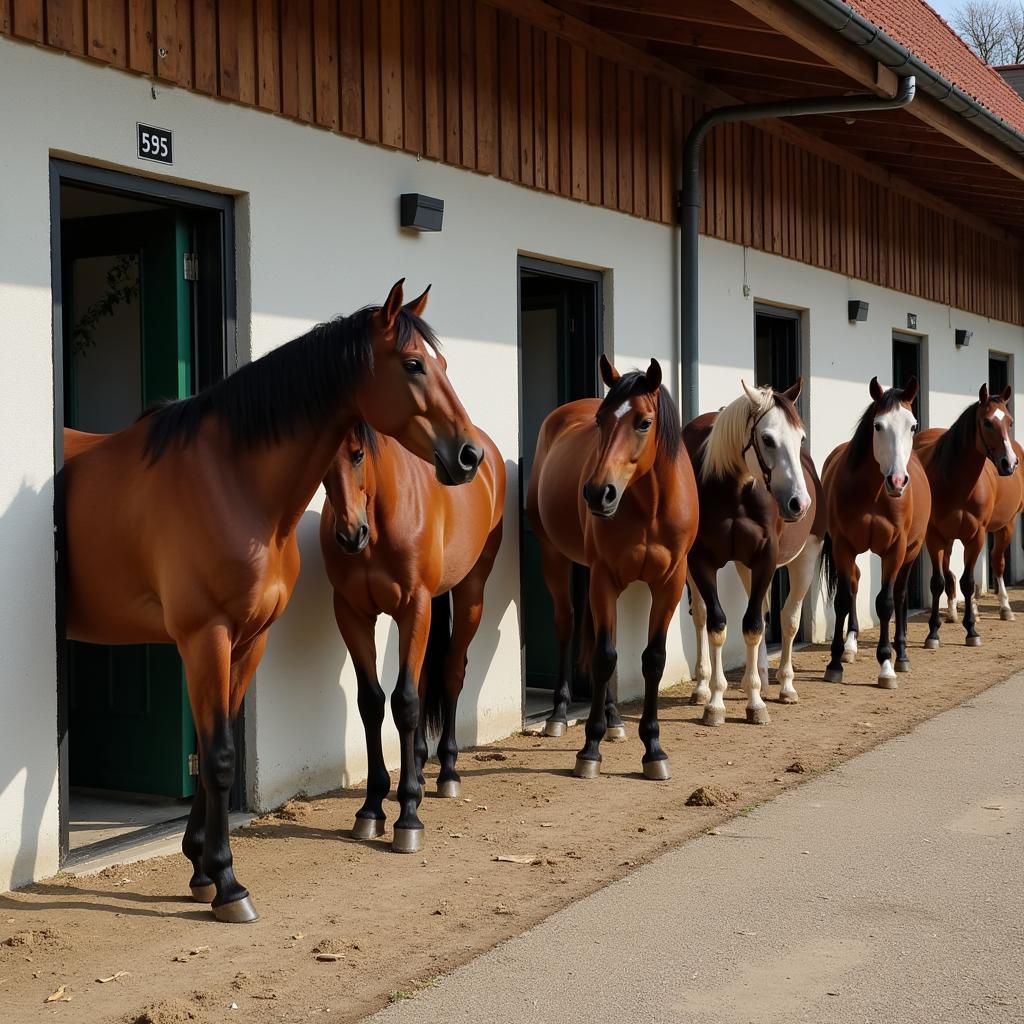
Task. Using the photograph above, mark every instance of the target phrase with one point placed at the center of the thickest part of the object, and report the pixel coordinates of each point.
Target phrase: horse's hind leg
(210, 679)
(413, 631)
(952, 598)
(1003, 537)
(603, 596)
(852, 625)
(900, 642)
(753, 636)
(885, 606)
(801, 574)
(705, 577)
(846, 565)
(937, 585)
(357, 630)
(663, 606)
(201, 885)
(702, 666)
(972, 549)
(557, 576)
(467, 610)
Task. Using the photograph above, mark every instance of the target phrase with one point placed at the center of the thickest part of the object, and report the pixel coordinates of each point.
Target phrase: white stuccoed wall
(316, 223)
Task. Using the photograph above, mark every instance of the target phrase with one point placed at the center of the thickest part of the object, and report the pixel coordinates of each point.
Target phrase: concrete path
(890, 889)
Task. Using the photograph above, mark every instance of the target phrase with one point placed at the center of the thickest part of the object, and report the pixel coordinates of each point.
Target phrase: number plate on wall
(154, 144)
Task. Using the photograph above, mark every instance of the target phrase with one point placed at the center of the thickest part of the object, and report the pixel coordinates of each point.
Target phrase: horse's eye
(644, 425)
(413, 366)
(768, 440)
(878, 428)
(357, 457)
(988, 424)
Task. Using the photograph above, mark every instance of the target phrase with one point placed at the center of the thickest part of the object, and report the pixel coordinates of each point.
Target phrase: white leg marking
(757, 711)
(714, 710)
(702, 669)
(801, 574)
(1005, 611)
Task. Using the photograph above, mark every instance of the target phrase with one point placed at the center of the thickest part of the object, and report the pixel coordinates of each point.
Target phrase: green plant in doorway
(122, 288)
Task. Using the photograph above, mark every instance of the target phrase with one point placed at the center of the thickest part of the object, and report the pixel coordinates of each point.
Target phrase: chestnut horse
(397, 543)
(760, 506)
(181, 528)
(878, 500)
(612, 489)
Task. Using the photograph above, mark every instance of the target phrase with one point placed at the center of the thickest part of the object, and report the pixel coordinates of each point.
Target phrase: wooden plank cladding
(478, 85)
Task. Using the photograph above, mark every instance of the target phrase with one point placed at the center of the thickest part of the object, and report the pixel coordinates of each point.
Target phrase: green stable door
(128, 329)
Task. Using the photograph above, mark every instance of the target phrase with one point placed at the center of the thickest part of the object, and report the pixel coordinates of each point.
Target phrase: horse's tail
(827, 567)
(438, 643)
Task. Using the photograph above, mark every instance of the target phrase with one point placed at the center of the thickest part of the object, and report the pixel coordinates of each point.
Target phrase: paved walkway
(891, 889)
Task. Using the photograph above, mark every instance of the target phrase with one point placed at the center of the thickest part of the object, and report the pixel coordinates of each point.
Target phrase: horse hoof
(887, 683)
(615, 733)
(700, 697)
(407, 840)
(849, 657)
(450, 789)
(713, 716)
(657, 771)
(789, 697)
(586, 769)
(368, 828)
(237, 912)
(554, 729)
(1006, 614)
(973, 641)
(932, 643)
(204, 893)
(833, 675)
(758, 716)
(902, 665)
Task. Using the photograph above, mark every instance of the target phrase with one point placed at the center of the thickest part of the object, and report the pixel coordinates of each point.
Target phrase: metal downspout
(691, 197)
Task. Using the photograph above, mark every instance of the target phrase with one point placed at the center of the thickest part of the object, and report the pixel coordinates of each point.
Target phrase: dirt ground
(389, 924)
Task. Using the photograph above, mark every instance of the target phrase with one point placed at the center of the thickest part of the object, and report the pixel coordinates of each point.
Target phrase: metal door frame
(217, 316)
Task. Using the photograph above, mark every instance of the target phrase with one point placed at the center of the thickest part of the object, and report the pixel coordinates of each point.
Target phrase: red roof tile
(924, 32)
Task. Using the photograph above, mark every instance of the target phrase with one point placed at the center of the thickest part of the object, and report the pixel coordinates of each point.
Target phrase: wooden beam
(707, 12)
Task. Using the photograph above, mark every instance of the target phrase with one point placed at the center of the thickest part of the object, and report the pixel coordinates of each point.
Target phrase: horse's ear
(793, 392)
(653, 375)
(418, 305)
(609, 374)
(752, 396)
(909, 393)
(1004, 395)
(392, 304)
(875, 389)
(983, 395)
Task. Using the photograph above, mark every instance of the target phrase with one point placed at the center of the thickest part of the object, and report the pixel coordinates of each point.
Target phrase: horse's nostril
(362, 533)
(469, 457)
(794, 504)
(610, 494)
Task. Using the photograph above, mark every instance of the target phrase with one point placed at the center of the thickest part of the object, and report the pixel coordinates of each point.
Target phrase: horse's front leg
(557, 569)
(952, 597)
(1003, 538)
(604, 593)
(664, 601)
(702, 666)
(208, 671)
(846, 563)
(892, 562)
(753, 636)
(937, 584)
(801, 574)
(852, 625)
(762, 648)
(413, 631)
(972, 549)
(900, 643)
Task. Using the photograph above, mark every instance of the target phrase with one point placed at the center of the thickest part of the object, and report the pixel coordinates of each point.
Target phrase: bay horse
(396, 542)
(975, 490)
(878, 500)
(181, 527)
(760, 507)
(613, 489)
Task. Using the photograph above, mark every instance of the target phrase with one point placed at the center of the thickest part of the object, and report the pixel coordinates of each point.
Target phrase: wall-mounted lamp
(421, 213)
(911, 321)
(963, 338)
(858, 310)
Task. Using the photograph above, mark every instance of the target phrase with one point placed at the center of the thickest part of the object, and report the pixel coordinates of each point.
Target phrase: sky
(946, 7)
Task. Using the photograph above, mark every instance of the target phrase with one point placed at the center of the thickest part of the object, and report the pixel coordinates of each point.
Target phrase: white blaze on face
(894, 441)
(622, 410)
(998, 414)
(779, 443)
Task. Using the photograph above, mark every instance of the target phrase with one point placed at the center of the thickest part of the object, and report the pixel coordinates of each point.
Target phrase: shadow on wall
(28, 750)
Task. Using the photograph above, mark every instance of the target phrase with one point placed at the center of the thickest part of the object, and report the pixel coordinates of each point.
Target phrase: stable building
(185, 185)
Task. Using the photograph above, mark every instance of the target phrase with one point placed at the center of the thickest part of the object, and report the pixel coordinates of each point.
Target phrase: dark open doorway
(778, 361)
(1000, 374)
(559, 341)
(143, 310)
(907, 362)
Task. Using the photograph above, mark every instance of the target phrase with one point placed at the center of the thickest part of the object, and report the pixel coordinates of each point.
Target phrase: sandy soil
(389, 924)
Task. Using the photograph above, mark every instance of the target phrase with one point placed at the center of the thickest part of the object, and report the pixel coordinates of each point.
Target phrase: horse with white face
(877, 499)
(760, 507)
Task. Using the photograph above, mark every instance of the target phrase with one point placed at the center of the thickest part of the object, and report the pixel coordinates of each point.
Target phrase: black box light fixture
(421, 213)
(963, 337)
(858, 310)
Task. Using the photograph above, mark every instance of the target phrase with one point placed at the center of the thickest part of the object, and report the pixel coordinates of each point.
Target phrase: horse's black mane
(956, 440)
(861, 445)
(669, 429)
(297, 384)
(368, 438)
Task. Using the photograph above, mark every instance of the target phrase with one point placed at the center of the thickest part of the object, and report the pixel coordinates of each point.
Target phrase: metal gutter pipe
(690, 201)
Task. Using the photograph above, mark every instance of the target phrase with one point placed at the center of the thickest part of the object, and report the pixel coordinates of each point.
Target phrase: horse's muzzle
(602, 500)
(458, 470)
(1004, 468)
(353, 543)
